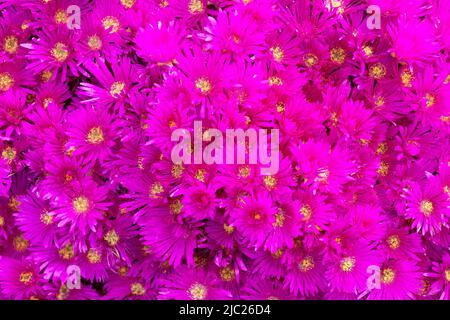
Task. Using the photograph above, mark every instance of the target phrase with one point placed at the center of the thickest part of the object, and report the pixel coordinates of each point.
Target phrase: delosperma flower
(96, 97)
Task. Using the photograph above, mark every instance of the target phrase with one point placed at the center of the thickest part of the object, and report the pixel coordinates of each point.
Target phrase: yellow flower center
(281, 107)
(9, 154)
(407, 78)
(95, 135)
(256, 215)
(306, 264)
(348, 264)
(176, 206)
(377, 71)
(426, 207)
(177, 170)
(26, 277)
(383, 169)
(244, 172)
(123, 271)
(155, 190)
(277, 53)
(111, 22)
(382, 148)
(11, 44)
(111, 237)
(275, 81)
(310, 60)
(20, 243)
(306, 212)
(46, 218)
(195, 7)
(67, 252)
(204, 85)
(447, 275)
(80, 204)
(60, 52)
(387, 276)
(13, 203)
(227, 274)
(128, 3)
(277, 254)
(430, 100)
(163, 4)
(228, 229)
(94, 256)
(337, 55)
(200, 175)
(137, 289)
(270, 182)
(393, 241)
(368, 51)
(6, 81)
(279, 218)
(198, 291)
(46, 75)
(2, 221)
(94, 42)
(116, 88)
(47, 102)
(60, 16)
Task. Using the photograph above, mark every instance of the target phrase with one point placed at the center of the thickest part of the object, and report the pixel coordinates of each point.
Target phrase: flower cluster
(87, 180)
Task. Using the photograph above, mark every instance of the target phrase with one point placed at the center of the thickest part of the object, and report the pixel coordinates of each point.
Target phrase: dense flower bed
(87, 180)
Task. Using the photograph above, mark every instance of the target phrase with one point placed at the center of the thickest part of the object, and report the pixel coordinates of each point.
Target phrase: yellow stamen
(94, 42)
(94, 256)
(195, 7)
(306, 264)
(198, 291)
(95, 135)
(111, 237)
(67, 252)
(426, 207)
(155, 190)
(116, 88)
(128, 3)
(277, 53)
(306, 212)
(80, 204)
(26, 277)
(9, 153)
(227, 274)
(11, 44)
(60, 52)
(270, 182)
(6, 81)
(310, 60)
(204, 85)
(377, 71)
(337, 55)
(387, 276)
(60, 16)
(111, 22)
(348, 264)
(275, 81)
(393, 241)
(20, 244)
(137, 289)
(228, 229)
(46, 218)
